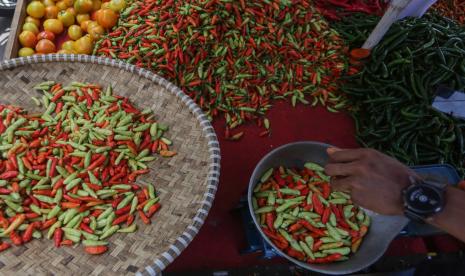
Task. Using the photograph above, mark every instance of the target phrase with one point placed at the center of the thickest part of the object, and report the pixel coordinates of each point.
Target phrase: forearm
(452, 218)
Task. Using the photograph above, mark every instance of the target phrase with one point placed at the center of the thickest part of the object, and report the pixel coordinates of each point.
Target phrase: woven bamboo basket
(186, 183)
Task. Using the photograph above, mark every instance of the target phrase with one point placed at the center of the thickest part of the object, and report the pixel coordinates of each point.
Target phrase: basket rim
(193, 228)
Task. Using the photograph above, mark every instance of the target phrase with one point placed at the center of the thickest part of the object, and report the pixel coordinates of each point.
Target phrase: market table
(220, 241)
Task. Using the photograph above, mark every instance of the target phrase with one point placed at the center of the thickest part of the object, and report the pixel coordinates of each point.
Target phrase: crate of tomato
(64, 26)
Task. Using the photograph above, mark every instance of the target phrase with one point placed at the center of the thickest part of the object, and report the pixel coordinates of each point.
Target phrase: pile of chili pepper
(299, 213)
(393, 92)
(337, 9)
(233, 57)
(72, 169)
(454, 9)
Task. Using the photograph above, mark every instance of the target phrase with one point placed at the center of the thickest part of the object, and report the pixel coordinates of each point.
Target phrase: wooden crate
(12, 46)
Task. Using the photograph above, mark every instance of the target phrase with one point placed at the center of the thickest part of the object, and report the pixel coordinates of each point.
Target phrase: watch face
(423, 199)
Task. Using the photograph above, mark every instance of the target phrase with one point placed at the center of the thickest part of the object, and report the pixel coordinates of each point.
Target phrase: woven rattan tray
(186, 183)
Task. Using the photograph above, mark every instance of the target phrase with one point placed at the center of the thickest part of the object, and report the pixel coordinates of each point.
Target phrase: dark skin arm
(376, 182)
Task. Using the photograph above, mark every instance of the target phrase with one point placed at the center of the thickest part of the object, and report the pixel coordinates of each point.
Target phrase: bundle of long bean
(233, 58)
(72, 170)
(393, 92)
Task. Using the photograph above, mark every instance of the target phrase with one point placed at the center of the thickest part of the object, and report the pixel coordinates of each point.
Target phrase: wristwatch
(423, 199)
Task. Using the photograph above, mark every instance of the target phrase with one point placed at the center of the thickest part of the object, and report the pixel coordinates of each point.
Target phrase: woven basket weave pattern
(186, 183)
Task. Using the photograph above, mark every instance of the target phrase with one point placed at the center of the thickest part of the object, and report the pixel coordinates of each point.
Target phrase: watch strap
(414, 216)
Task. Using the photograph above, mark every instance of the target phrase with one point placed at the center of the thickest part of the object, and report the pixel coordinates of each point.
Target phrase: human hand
(374, 180)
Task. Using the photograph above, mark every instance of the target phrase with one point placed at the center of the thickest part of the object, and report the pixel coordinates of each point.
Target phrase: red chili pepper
(325, 216)
(317, 205)
(311, 228)
(144, 218)
(96, 250)
(120, 219)
(4, 246)
(57, 237)
(86, 228)
(15, 238)
(269, 218)
(9, 175)
(153, 209)
(27, 235)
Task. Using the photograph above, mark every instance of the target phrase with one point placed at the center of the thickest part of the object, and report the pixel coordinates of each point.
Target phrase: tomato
(82, 17)
(72, 11)
(95, 14)
(84, 24)
(26, 51)
(36, 9)
(48, 3)
(107, 18)
(65, 51)
(69, 3)
(83, 6)
(53, 25)
(83, 45)
(46, 35)
(66, 18)
(117, 5)
(74, 32)
(61, 5)
(96, 4)
(45, 46)
(27, 39)
(30, 19)
(28, 26)
(51, 12)
(95, 31)
(68, 45)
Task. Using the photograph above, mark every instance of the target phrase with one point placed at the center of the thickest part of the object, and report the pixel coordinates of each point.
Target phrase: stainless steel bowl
(382, 231)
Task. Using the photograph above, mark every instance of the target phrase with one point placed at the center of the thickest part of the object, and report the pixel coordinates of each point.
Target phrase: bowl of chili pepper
(296, 212)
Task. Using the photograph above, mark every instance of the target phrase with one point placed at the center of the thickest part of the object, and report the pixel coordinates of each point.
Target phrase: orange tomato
(48, 3)
(95, 31)
(30, 19)
(27, 39)
(68, 45)
(69, 3)
(83, 45)
(66, 18)
(85, 24)
(45, 46)
(28, 26)
(83, 6)
(61, 5)
(72, 11)
(53, 25)
(117, 5)
(46, 35)
(82, 17)
(96, 4)
(25, 51)
(36, 9)
(51, 12)
(94, 14)
(74, 32)
(107, 18)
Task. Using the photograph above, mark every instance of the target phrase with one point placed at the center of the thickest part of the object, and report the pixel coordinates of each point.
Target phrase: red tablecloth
(220, 240)
(222, 237)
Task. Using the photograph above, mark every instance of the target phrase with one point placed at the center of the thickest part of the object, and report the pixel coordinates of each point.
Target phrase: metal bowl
(382, 231)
